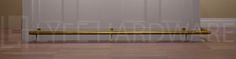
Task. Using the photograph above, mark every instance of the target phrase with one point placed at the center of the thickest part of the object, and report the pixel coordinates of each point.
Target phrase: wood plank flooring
(121, 51)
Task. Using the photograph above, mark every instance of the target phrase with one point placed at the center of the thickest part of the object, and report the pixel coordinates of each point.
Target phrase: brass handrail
(112, 32)
(117, 33)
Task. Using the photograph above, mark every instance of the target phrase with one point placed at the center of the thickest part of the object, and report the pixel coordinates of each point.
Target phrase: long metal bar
(118, 33)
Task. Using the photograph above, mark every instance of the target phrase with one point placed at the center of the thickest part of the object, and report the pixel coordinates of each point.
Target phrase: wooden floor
(121, 51)
(217, 48)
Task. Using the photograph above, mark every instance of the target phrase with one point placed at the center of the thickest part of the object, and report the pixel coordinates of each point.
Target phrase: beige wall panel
(218, 8)
(10, 16)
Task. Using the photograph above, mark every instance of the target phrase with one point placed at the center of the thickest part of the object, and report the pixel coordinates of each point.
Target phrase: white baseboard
(218, 22)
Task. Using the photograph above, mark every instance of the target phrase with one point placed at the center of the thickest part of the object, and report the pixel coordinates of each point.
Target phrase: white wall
(100, 15)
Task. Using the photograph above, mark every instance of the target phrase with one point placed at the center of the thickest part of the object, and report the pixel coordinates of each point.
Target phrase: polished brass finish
(112, 32)
(119, 33)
